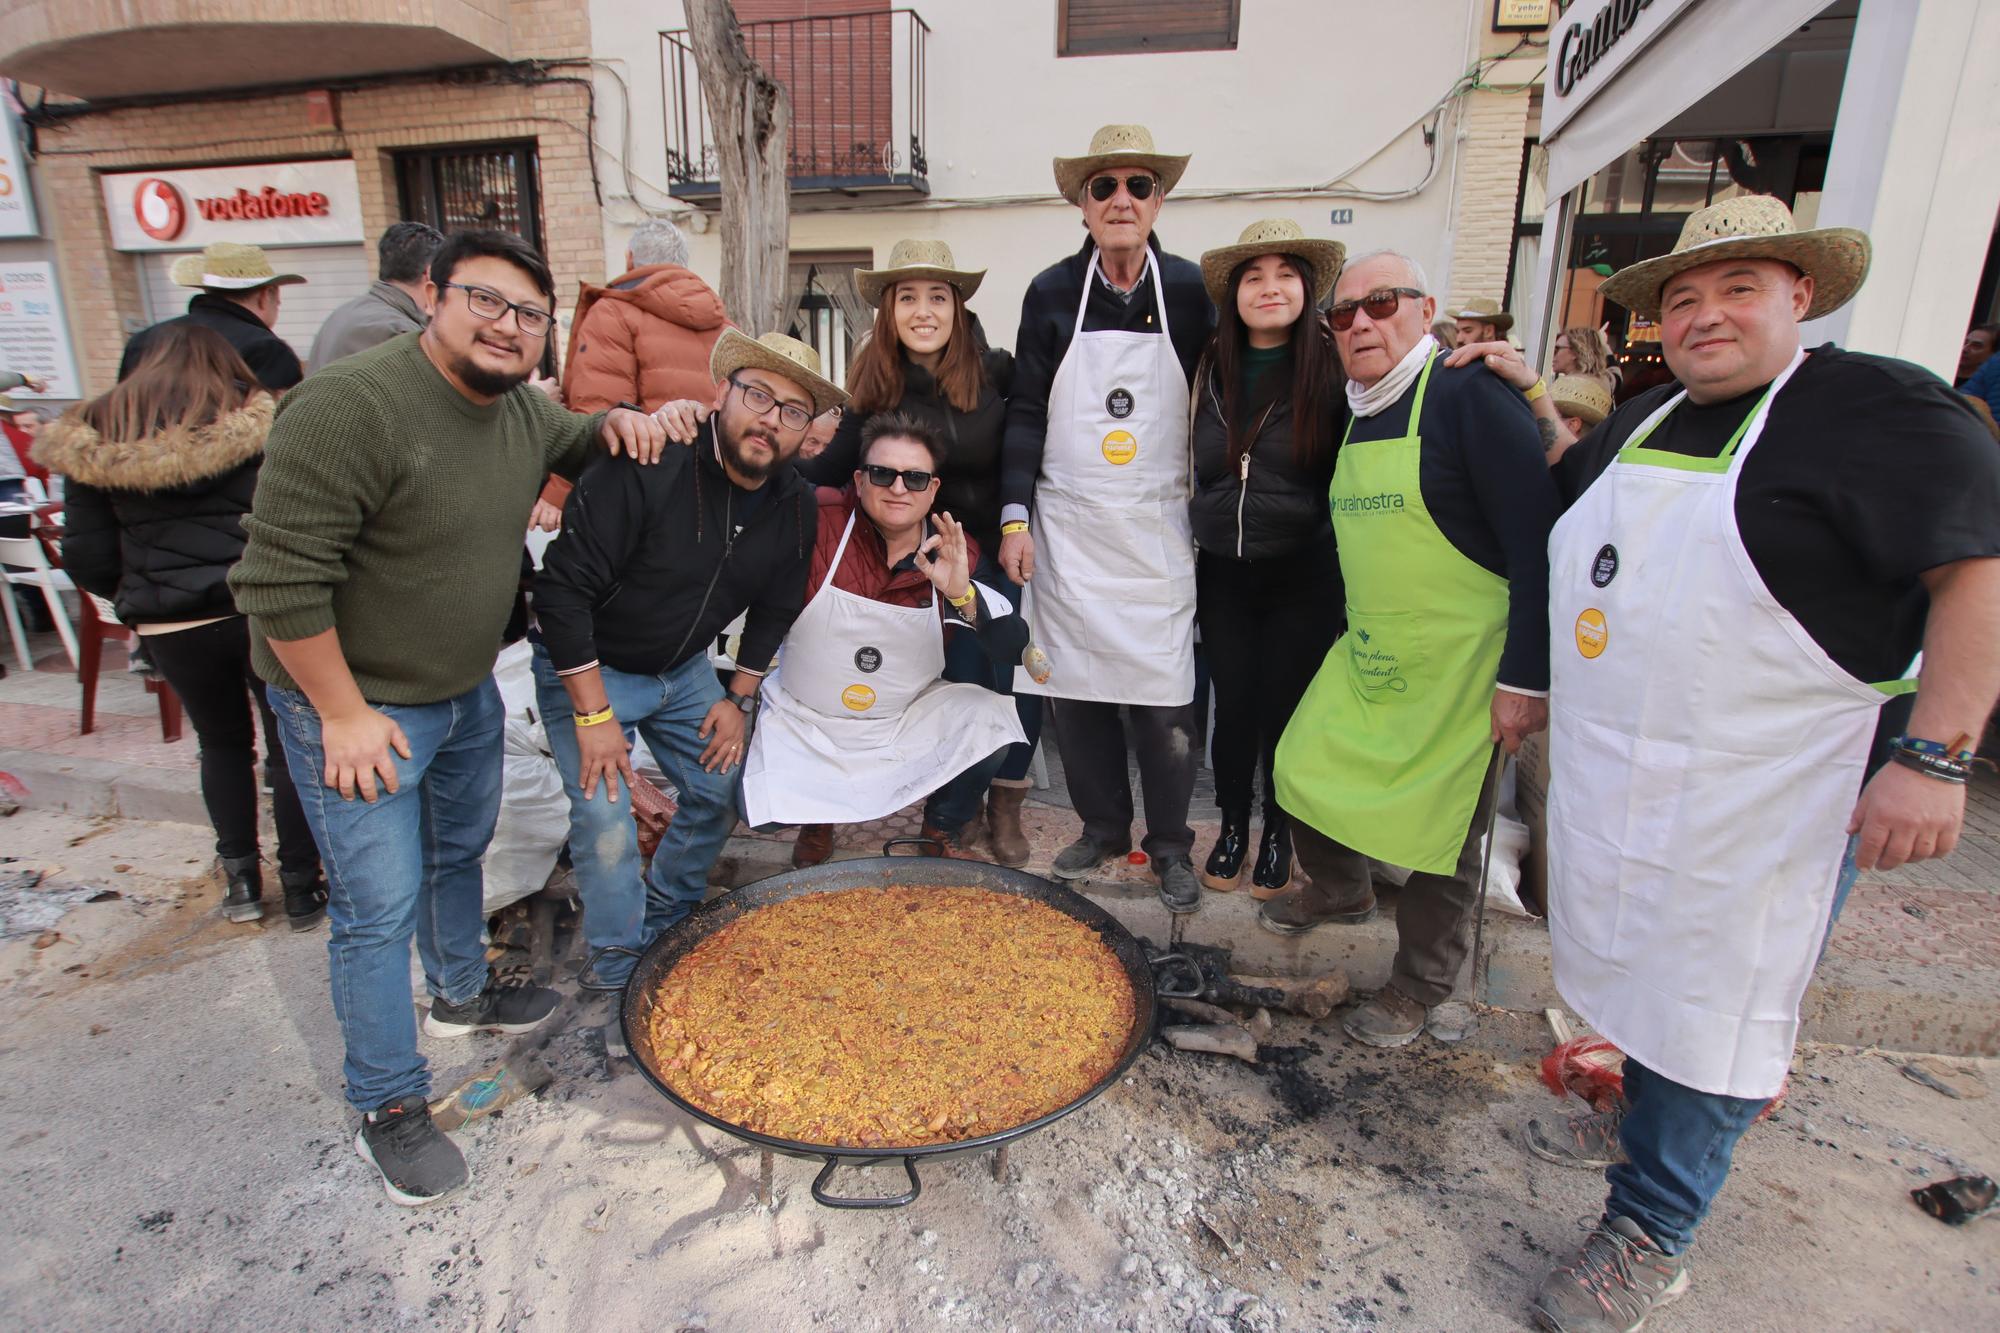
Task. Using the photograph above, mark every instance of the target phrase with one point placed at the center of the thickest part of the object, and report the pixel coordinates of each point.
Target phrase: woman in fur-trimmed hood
(159, 475)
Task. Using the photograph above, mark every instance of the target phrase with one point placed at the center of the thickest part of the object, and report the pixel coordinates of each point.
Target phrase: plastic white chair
(28, 565)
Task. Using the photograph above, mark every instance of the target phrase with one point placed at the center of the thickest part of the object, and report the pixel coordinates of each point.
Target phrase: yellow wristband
(592, 719)
(960, 603)
(1537, 389)
(1009, 529)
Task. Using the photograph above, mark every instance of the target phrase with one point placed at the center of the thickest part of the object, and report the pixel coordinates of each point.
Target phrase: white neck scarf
(1367, 402)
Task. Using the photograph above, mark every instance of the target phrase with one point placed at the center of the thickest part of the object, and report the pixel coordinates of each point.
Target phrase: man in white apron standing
(1752, 560)
(1094, 517)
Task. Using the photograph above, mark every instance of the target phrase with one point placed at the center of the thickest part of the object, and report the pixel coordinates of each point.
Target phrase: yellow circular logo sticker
(1120, 447)
(1592, 634)
(858, 697)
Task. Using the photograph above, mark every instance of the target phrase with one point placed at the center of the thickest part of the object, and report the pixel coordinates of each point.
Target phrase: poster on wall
(34, 336)
(268, 203)
(17, 197)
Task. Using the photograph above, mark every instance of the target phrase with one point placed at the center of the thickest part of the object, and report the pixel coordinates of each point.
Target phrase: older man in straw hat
(239, 299)
(652, 564)
(1094, 518)
(1750, 565)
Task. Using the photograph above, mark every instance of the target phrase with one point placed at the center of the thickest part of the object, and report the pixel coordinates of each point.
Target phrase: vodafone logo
(160, 209)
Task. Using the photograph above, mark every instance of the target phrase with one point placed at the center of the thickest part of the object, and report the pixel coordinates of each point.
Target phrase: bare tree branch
(752, 116)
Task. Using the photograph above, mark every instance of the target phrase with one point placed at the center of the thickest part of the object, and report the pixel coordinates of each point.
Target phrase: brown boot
(1003, 824)
(1297, 911)
(947, 844)
(814, 845)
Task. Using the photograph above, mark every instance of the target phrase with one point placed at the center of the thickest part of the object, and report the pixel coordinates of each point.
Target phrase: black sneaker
(498, 1008)
(242, 898)
(1085, 855)
(418, 1161)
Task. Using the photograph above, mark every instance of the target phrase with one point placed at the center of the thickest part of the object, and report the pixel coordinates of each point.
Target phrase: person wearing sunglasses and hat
(1267, 406)
(1749, 565)
(1094, 516)
(239, 298)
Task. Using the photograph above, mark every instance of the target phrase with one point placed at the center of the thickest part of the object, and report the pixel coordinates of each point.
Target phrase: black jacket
(970, 488)
(270, 358)
(155, 525)
(1048, 319)
(1276, 506)
(650, 568)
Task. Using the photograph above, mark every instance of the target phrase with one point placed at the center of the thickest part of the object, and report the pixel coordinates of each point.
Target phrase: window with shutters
(1126, 27)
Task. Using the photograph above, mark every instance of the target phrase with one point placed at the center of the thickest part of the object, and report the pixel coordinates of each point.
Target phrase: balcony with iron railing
(857, 89)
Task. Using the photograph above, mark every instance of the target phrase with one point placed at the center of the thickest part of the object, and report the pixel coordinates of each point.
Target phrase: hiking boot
(1620, 1278)
(1085, 855)
(305, 897)
(418, 1161)
(242, 899)
(1299, 910)
(498, 1008)
(813, 845)
(1588, 1141)
(1003, 824)
(1178, 889)
(1224, 871)
(1273, 874)
(1390, 1019)
(948, 844)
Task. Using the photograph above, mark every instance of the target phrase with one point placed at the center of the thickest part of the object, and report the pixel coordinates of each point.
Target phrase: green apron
(1387, 750)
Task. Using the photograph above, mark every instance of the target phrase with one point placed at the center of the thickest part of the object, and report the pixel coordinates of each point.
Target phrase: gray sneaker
(1085, 855)
(1179, 889)
(1613, 1286)
(1588, 1141)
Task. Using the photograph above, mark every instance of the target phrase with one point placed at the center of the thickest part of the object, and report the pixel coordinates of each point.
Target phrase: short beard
(731, 449)
(487, 383)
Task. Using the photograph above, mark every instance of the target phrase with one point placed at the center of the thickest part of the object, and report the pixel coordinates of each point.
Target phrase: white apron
(1112, 602)
(1706, 755)
(855, 723)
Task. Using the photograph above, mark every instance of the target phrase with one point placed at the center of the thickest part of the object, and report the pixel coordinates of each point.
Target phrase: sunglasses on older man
(1139, 187)
(1379, 305)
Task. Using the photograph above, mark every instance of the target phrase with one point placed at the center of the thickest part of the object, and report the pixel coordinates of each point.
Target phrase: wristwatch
(746, 702)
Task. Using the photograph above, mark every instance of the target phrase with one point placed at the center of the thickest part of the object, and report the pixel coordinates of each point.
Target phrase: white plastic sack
(534, 812)
(1503, 875)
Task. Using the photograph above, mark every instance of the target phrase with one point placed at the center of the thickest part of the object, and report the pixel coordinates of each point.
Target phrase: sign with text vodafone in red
(270, 204)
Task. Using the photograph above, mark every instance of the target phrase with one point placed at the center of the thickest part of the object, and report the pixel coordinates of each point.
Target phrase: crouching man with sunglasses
(856, 722)
(652, 563)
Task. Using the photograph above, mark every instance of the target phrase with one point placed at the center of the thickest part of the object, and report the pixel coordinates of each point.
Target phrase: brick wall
(1489, 168)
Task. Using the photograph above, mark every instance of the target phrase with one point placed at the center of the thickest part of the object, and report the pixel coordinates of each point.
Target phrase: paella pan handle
(936, 847)
(909, 1196)
(586, 980)
(1175, 976)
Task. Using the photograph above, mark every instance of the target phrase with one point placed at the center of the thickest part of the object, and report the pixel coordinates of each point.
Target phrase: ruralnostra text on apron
(855, 723)
(1707, 754)
(1112, 599)
(1388, 749)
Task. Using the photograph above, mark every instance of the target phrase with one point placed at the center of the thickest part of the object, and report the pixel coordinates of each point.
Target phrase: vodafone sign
(276, 203)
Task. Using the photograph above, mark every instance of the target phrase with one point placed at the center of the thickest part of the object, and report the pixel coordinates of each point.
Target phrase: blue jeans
(953, 805)
(620, 910)
(1680, 1140)
(408, 864)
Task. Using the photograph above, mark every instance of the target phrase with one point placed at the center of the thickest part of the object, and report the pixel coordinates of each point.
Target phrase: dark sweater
(270, 358)
(1277, 506)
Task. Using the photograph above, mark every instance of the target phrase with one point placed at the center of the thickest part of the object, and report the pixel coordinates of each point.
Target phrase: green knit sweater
(393, 509)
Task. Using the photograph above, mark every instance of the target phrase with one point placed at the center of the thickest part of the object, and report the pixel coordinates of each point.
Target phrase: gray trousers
(1092, 739)
(1432, 913)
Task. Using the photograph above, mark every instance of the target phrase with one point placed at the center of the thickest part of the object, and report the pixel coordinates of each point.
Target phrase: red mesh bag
(1594, 1070)
(653, 809)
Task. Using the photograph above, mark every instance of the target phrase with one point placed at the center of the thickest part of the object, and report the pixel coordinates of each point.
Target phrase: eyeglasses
(531, 320)
(1379, 305)
(761, 402)
(1139, 187)
(914, 479)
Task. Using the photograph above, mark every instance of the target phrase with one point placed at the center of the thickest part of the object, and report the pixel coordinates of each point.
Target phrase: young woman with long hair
(1268, 406)
(160, 473)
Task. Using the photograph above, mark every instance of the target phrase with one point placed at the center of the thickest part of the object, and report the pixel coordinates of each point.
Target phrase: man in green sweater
(384, 555)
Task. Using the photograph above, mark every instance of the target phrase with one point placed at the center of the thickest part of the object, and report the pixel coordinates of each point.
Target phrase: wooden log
(1207, 1013)
(1315, 997)
(1214, 1039)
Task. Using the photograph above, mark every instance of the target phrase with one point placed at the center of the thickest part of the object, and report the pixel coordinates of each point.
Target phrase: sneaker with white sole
(498, 1008)
(1586, 1141)
(418, 1161)
(1614, 1286)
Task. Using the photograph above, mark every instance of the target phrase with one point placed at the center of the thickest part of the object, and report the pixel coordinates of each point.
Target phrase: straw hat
(1751, 226)
(1118, 146)
(1272, 236)
(917, 259)
(1486, 311)
(230, 266)
(1581, 396)
(782, 356)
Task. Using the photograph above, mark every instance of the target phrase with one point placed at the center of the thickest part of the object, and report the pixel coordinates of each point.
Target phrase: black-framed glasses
(761, 401)
(1139, 187)
(914, 479)
(488, 304)
(1379, 305)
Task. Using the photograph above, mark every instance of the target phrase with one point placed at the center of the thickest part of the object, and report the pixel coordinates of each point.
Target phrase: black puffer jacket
(970, 491)
(156, 524)
(1276, 506)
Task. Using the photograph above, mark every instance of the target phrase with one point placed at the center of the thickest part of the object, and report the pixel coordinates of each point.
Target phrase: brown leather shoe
(1299, 910)
(814, 845)
(1003, 825)
(948, 844)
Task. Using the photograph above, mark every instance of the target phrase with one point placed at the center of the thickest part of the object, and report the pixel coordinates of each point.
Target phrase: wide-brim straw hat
(1118, 146)
(1581, 396)
(1750, 226)
(1272, 236)
(782, 356)
(230, 266)
(1486, 311)
(916, 261)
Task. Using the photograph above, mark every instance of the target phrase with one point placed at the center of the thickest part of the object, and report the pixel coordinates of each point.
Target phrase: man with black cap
(239, 298)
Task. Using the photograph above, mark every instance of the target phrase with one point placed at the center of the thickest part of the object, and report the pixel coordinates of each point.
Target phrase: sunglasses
(914, 479)
(1379, 305)
(1139, 187)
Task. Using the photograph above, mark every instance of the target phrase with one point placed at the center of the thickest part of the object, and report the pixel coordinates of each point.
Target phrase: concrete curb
(101, 787)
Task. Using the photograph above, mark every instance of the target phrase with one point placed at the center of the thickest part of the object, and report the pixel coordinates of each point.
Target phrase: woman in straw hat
(1267, 403)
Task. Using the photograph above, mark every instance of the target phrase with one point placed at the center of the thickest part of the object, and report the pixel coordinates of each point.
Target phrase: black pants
(1092, 739)
(1266, 626)
(209, 667)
